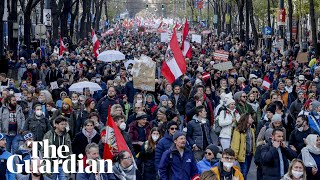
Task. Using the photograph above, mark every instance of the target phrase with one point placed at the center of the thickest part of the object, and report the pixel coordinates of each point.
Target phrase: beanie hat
(215, 150)
(177, 135)
(272, 108)
(315, 105)
(276, 118)
(163, 97)
(88, 102)
(171, 123)
(68, 101)
(229, 101)
(185, 81)
(141, 116)
(2, 136)
(238, 95)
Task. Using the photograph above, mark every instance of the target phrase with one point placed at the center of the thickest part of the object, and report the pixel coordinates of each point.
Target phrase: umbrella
(78, 87)
(111, 55)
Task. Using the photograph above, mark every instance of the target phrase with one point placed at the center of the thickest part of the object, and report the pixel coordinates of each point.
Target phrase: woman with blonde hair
(296, 171)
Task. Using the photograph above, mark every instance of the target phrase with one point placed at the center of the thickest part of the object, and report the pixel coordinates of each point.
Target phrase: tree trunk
(240, 4)
(313, 26)
(88, 11)
(269, 13)
(64, 18)
(247, 23)
(73, 18)
(290, 21)
(27, 28)
(12, 18)
(1, 26)
(253, 26)
(55, 20)
(98, 14)
(83, 18)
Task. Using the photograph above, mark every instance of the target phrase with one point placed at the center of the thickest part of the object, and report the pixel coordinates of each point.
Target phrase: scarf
(124, 173)
(89, 135)
(310, 148)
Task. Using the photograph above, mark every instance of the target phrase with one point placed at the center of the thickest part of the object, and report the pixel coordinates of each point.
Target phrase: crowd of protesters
(207, 128)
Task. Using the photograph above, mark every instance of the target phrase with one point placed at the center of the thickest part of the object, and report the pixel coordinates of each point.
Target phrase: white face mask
(296, 174)
(228, 165)
(300, 129)
(75, 101)
(155, 137)
(139, 101)
(130, 78)
(98, 79)
(123, 126)
(39, 113)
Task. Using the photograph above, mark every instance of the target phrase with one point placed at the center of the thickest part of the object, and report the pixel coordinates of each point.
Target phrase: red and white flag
(205, 76)
(174, 65)
(186, 48)
(62, 47)
(266, 83)
(96, 43)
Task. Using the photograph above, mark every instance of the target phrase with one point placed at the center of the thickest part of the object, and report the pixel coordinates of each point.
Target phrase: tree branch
(35, 3)
(22, 4)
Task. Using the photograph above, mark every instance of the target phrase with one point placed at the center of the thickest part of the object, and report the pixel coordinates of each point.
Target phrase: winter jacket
(238, 144)
(164, 144)
(237, 173)
(247, 108)
(52, 135)
(180, 104)
(38, 126)
(297, 138)
(266, 132)
(103, 107)
(148, 162)
(271, 162)
(91, 176)
(72, 120)
(310, 176)
(195, 133)
(27, 177)
(296, 107)
(205, 165)
(225, 121)
(314, 121)
(174, 167)
(4, 118)
(4, 172)
(80, 142)
(287, 177)
(134, 134)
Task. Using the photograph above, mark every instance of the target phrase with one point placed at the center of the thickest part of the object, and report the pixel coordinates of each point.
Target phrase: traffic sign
(267, 31)
(40, 31)
(47, 17)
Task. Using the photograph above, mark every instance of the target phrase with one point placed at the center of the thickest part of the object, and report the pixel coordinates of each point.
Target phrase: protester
(139, 131)
(34, 175)
(209, 160)
(123, 167)
(4, 155)
(296, 171)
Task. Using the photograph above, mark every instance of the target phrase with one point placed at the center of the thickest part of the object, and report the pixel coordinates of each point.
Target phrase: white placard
(47, 18)
(196, 38)
(164, 37)
(223, 66)
(54, 85)
(18, 96)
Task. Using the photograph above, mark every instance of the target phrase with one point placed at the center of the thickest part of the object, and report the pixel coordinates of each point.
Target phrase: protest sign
(196, 38)
(54, 85)
(302, 57)
(164, 37)
(223, 66)
(143, 74)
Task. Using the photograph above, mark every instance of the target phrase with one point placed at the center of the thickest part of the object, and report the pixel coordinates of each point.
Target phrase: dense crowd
(207, 127)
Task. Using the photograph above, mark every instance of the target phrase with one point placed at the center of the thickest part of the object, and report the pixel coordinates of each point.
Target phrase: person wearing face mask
(226, 169)
(296, 171)
(147, 154)
(266, 131)
(299, 134)
(120, 122)
(86, 136)
(25, 150)
(275, 155)
(310, 155)
(130, 90)
(198, 132)
(37, 123)
(103, 85)
(243, 143)
(210, 158)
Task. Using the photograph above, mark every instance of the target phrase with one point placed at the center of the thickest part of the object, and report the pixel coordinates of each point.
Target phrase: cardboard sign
(302, 57)
(143, 74)
(223, 66)
(196, 38)
(54, 85)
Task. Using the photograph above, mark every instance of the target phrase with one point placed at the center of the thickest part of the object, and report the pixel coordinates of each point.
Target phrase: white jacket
(225, 121)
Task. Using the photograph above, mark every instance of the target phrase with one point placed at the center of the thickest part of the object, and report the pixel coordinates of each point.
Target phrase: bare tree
(12, 18)
(313, 26)
(98, 4)
(240, 4)
(1, 26)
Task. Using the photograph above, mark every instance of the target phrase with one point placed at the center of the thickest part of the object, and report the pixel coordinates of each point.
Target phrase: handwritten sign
(223, 66)
(196, 38)
(54, 85)
(143, 74)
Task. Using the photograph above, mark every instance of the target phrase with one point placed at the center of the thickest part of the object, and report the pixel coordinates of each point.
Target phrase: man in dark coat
(274, 157)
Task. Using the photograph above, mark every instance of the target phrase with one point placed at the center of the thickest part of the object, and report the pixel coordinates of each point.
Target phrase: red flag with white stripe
(62, 47)
(266, 83)
(96, 43)
(186, 48)
(174, 65)
(205, 76)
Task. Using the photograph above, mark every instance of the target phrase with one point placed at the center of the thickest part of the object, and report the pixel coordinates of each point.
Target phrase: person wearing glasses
(198, 132)
(253, 83)
(243, 143)
(124, 168)
(209, 160)
(166, 142)
(275, 155)
(178, 162)
(242, 105)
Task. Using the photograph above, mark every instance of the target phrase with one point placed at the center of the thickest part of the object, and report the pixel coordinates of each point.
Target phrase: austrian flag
(174, 65)
(186, 48)
(266, 83)
(96, 43)
(62, 47)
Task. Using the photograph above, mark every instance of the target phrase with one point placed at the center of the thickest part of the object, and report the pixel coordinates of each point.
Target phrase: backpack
(216, 127)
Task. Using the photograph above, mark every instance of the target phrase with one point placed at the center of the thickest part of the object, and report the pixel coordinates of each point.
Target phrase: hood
(195, 117)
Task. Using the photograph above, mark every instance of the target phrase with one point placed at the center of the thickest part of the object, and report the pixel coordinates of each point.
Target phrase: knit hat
(177, 135)
(272, 109)
(68, 101)
(141, 116)
(163, 97)
(301, 77)
(276, 118)
(185, 81)
(315, 105)
(171, 123)
(238, 95)
(2, 136)
(88, 102)
(229, 101)
(251, 76)
(215, 150)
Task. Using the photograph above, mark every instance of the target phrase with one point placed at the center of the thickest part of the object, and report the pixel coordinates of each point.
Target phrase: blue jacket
(180, 168)
(314, 121)
(91, 176)
(205, 165)
(4, 172)
(164, 144)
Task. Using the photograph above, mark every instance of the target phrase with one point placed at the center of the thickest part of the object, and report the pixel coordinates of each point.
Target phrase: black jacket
(38, 127)
(296, 138)
(81, 141)
(181, 104)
